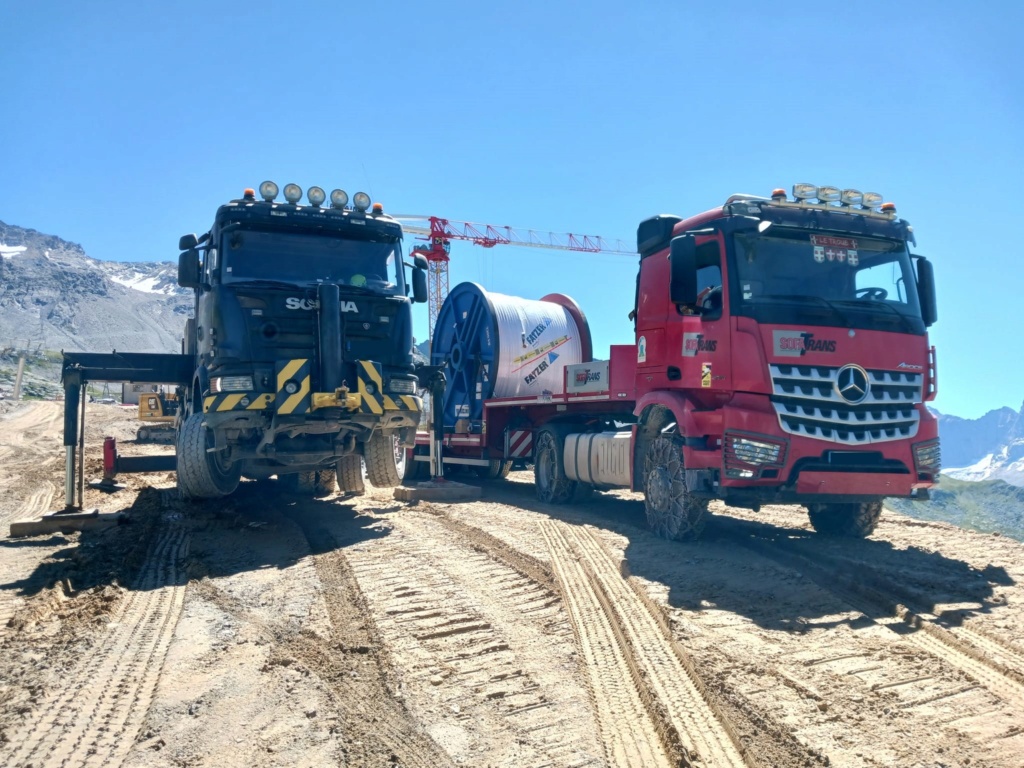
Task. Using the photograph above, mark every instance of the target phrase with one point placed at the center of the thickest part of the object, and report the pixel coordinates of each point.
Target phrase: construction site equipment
(159, 409)
(781, 355)
(438, 234)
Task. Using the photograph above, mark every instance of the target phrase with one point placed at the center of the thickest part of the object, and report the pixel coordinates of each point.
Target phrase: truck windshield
(307, 259)
(792, 275)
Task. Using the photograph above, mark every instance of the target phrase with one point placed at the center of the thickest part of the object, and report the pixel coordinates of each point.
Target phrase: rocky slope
(54, 296)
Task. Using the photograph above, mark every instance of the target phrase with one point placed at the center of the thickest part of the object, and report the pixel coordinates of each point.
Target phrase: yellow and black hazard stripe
(371, 392)
(402, 403)
(233, 402)
(299, 372)
(371, 386)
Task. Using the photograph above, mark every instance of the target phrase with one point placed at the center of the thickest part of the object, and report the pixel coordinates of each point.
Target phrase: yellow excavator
(158, 409)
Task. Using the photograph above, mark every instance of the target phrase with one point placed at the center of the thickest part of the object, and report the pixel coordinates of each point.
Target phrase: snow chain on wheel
(385, 460)
(852, 520)
(553, 485)
(672, 513)
(350, 475)
(201, 474)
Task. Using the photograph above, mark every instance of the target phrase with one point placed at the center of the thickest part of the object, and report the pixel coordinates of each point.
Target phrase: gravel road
(274, 630)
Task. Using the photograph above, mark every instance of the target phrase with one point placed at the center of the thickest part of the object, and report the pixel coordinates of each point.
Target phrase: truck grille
(807, 403)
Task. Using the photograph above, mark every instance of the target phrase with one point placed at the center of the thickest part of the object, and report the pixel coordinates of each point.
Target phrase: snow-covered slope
(989, 448)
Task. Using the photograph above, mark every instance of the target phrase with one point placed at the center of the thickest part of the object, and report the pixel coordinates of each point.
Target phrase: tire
(350, 475)
(553, 486)
(200, 474)
(326, 483)
(385, 460)
(415, 471)
(496, 469)
(672, 513)
(851, 520)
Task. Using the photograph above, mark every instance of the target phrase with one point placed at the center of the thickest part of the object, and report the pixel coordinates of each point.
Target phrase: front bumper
(294, 395)
(805, 469)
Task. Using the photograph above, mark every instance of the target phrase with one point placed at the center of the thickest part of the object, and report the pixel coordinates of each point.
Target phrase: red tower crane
(438, 233)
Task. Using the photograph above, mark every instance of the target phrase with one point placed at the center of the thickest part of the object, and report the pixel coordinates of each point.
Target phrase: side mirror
(926, 291)
(187, 242)
(683, 263)
(419, 261)
(419, 285)
(188, 268)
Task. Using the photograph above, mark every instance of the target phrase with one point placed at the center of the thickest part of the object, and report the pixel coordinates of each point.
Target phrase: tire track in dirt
(868, 591)
(22, 561)
(391, 732)
(478, 624)
(688, 727)
(93, 716)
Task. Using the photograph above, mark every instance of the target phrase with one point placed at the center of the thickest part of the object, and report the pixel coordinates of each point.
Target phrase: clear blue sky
(125, 124)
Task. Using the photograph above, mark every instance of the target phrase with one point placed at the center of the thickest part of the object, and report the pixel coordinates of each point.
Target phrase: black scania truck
(302, 341)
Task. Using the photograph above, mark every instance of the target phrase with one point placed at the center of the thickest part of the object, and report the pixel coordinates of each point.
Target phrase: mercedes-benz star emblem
(852, 384)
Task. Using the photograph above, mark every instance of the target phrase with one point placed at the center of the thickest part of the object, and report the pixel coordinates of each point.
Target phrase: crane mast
(437, 234)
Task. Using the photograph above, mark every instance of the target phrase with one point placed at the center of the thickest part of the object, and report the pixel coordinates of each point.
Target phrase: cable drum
(496, 346)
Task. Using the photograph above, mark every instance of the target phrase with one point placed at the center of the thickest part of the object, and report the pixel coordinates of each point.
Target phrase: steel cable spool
(498, 346)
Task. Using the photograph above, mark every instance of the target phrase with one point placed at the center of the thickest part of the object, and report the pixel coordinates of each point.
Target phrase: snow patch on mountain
(7, 251)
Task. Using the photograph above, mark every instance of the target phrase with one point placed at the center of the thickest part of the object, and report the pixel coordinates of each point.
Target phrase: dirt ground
(271, 630)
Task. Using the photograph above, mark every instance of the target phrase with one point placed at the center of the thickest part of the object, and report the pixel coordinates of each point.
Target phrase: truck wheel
(672, 513)
(202, 475)
(553, 486)
(853, 520)
(496, 469)
(415, 471)
(326, 483)
(350, 475)
(385, 460)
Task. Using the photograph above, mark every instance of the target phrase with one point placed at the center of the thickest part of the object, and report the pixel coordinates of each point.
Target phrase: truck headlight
(928, 457)
(220, 384)
(402, 386)
(745, 455)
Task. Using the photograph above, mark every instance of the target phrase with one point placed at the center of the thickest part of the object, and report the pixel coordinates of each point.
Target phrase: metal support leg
(81, 454)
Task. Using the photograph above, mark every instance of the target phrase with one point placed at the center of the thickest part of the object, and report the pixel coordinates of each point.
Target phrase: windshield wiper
(869, 305)
(263, 281)
(803, 299)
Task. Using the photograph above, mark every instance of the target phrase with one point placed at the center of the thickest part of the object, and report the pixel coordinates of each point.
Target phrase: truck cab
(783, 344)
(302, 341)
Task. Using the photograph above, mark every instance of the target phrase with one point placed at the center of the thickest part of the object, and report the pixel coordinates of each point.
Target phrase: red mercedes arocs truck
(781, 356)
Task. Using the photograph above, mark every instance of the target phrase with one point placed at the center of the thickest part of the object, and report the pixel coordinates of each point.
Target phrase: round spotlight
(828, 194)
(316, 196)
(339, 198)
(361, 201)
(851, 197)
(292, 193)
(268, 191)
(291, 387)
(871, 200)
(804, 191)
